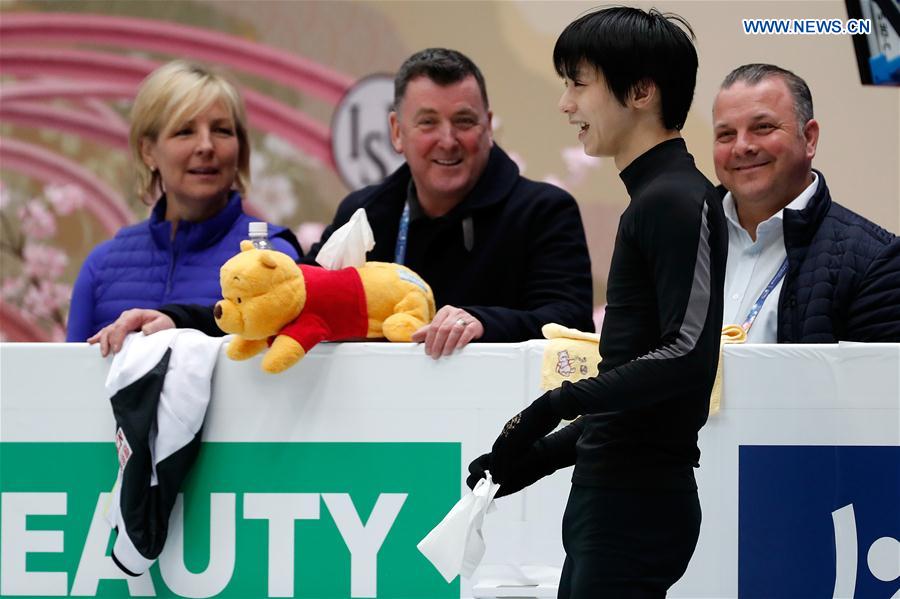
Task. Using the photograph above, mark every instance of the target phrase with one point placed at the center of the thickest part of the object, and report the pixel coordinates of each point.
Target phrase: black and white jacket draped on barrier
(159, 386)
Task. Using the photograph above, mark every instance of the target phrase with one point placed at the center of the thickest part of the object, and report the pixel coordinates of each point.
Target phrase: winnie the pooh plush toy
(267, 295)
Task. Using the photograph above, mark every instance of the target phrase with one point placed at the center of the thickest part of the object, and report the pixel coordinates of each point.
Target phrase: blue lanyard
(754, 311)
(400, 251)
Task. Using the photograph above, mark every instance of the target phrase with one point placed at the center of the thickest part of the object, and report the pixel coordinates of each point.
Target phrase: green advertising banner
(312, 520)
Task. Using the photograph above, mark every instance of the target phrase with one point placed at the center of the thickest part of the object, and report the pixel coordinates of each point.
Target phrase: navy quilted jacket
(843, 279)
(143, 267)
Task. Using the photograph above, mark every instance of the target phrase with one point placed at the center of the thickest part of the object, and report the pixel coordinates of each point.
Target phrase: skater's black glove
(543, 458)
(527, 471)
(477, 470)
(520, 434)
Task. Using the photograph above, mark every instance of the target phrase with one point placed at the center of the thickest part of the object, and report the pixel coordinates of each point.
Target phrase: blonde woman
(191, 152)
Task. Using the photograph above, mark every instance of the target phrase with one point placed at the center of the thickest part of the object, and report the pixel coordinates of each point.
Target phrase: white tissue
(348, 245)
(456, 545)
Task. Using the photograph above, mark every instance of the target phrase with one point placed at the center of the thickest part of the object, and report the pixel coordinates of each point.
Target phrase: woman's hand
(113, 335)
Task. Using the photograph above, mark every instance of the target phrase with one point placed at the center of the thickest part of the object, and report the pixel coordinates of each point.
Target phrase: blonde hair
(172, 95)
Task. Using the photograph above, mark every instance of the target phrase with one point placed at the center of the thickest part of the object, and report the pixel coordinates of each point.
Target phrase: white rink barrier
(319, 482)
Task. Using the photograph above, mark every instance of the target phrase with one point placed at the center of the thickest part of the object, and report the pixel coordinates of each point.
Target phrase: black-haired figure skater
(633, 515)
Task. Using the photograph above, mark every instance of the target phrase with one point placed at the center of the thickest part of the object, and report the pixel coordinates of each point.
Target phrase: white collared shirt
(752, 264)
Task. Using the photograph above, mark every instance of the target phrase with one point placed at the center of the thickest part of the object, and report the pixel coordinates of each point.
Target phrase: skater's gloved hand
(477, 470)
(533, 465)
(520, 434)
(515, 482)
(543, 458)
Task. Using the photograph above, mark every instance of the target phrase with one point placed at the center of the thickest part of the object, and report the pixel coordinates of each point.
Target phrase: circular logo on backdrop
(360, 134)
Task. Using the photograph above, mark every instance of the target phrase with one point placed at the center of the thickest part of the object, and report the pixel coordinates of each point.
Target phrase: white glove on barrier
(348, 245)
(456, 545)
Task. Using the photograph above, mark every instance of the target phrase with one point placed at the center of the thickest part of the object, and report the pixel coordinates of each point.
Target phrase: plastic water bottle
(259, 236)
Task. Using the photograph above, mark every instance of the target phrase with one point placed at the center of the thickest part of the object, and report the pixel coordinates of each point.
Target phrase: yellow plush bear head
(263, 290)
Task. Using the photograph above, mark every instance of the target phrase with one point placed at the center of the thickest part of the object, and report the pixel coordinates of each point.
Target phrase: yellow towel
(571, 355)
(731, 333)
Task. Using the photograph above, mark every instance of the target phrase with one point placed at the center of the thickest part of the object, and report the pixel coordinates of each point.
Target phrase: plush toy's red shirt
(335, 307)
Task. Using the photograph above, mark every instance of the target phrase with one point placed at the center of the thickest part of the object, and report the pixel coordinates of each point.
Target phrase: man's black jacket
(526, 263)
(843, 279)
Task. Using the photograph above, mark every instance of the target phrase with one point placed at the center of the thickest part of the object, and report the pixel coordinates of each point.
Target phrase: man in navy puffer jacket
(801, 268)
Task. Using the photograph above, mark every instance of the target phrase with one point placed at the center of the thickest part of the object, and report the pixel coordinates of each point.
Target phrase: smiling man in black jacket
(504, 255)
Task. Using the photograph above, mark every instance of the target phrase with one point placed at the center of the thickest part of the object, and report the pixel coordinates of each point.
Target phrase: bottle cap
(259, 229)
